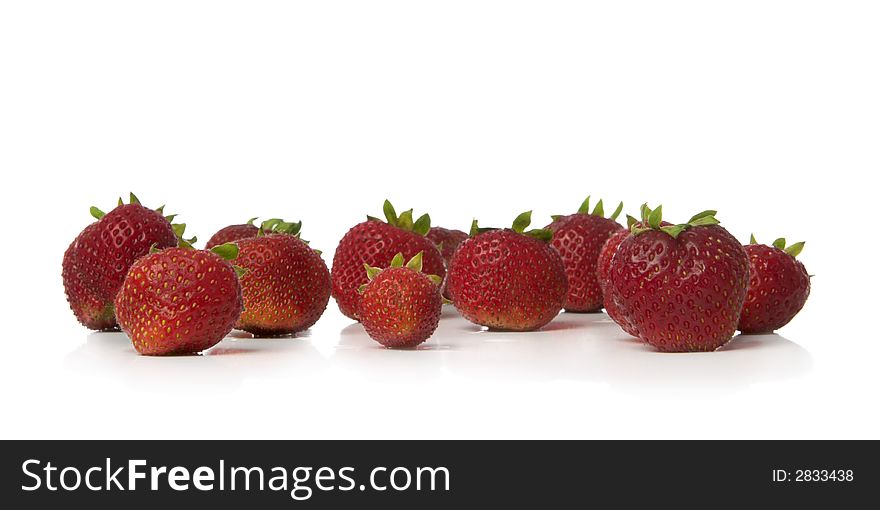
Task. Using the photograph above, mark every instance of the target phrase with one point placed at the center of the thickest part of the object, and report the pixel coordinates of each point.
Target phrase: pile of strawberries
(678, 287)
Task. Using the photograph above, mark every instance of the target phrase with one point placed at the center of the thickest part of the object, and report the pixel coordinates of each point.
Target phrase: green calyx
(652, 219)
(598, 210)
(179, 229)
(794, 250)
(132, 199)
(520, 223)
(414, 263)
(278, 226)
(405, 220)
(227, 251)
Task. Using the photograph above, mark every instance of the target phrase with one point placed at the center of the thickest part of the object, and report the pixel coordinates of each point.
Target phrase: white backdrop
(765, 110)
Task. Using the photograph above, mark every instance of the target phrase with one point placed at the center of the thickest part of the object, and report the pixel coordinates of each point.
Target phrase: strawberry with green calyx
(180, 300)
(400, 306)
(508, 279)
(578, 238)
(779, 286)
(447, 241)
(286, 285)
(375, 242)
(95, 263)
(234, 233)
(681, 286)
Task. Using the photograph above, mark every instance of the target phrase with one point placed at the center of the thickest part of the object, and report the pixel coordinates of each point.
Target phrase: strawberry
(508, 279)
(603, 273)
(681, 286)
(400, 306)
(234, 233)
(375, 243)
(778, 286)
(286, 284)
(180, 300)
(447, 241)
(95, 264)
(578, 238)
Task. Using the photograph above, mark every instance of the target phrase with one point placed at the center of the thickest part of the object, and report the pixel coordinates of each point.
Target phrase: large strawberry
(508, 279)
(578, 238)
(681, 286)
(95, 264)
(180, 300)
(234, 233)
(778, 286)
(375, 243)
(400, 306)
(286, 284)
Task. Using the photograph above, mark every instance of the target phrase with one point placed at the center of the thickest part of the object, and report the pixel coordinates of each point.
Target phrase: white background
(768, 111)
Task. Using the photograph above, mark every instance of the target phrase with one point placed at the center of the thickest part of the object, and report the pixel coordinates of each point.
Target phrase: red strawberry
(447, 242)
(180, 300)
(400, 306)
(375, 243)
(234, 233)
(778, 286)
(508, 279)
(286, 284)
(578, 238)
(603, 272)
(88, 308)
(95, 264)
(681, 286)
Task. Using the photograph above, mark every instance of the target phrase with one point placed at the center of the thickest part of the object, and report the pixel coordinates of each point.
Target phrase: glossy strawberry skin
(578, 238)
(505, 280)
(400, 307)
(286, 285)
(603, 273)
(100, 257)
(778, 289)
(682, 294)
(88, 308)
(231, 234)
(178, 301)
(375, 243)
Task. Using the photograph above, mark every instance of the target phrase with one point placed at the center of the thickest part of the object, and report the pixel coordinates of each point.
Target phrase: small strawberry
(603, 273)
(681, 286)
(508, 279)
(447, 241)
(95, 264)
(400, 306)
(180, 300)
(375, 243)
(778, 286)
(286, 284)
(578, 238)
(234, 233)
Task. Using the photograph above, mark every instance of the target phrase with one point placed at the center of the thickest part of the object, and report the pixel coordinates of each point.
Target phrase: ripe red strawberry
(447, 242)
(400, 306)
(603, 272)
(578, 238)
(681, 286)
(375, 243)
(234, 233)
(180, 300)
(778, 286)
(286, 284)
(95, 264)
(508, 279)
